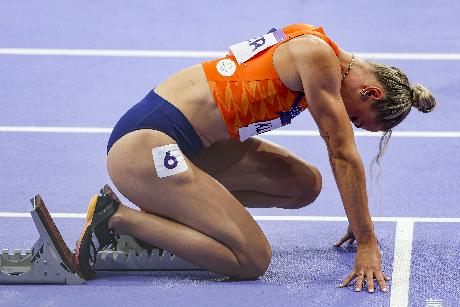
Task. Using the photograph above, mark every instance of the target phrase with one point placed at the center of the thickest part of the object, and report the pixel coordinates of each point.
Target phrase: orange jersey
(247, 89)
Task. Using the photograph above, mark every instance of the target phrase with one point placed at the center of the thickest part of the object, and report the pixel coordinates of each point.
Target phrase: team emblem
(226, 67)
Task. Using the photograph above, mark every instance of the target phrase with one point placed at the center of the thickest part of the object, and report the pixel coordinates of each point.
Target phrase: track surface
(419, 174)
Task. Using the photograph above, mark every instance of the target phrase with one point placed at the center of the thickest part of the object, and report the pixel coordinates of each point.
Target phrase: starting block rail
(131, 256)
(50, 261)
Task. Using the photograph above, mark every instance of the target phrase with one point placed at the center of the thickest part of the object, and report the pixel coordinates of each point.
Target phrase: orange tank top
(247, 89)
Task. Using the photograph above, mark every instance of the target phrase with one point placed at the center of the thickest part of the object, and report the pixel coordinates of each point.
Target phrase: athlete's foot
(116, 221)
(121, 222)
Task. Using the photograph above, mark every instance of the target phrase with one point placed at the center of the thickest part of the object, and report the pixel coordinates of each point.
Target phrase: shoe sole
(85, 267)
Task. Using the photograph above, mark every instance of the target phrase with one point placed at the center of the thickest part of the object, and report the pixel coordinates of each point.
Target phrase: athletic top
(247, 89)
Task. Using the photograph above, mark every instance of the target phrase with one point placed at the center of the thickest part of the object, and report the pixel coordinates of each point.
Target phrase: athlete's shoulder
(312, 49)
(312, 57)
(298, 27)
(311, 33)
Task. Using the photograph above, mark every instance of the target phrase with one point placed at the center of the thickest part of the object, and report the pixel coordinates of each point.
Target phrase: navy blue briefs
(154, 112)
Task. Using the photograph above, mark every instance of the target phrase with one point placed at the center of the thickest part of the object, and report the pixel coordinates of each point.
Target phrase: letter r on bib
(257, 42)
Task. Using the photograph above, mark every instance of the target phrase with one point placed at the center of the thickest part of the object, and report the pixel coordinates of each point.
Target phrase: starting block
(131, 256)
(50, 261)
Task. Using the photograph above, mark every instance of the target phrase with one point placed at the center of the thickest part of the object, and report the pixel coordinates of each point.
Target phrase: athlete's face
(365, 119)
(361, 112)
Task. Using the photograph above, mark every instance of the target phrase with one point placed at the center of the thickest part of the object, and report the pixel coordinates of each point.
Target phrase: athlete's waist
(189, 92)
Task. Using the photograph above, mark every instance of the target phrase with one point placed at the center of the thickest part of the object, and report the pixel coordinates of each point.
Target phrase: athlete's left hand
(368, 264)
(349, 236)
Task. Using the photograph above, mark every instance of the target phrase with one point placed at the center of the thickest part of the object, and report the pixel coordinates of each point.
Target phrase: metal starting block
(131, 256)
(51, 262)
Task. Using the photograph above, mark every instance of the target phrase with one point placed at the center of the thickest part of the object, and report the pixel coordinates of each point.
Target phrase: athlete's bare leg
(262, 174)
(189, 214)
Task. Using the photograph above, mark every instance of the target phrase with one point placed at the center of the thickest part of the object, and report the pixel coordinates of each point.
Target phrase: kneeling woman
(185, 154)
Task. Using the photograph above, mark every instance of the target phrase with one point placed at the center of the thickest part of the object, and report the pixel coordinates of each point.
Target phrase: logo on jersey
(226, 67)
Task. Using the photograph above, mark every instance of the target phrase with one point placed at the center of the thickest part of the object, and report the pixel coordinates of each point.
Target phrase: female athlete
(187, 157)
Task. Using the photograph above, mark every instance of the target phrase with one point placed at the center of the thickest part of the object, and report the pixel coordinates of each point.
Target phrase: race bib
(283, 120)
(245, 50)
(258, 128)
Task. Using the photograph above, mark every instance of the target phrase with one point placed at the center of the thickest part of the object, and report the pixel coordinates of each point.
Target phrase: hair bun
(422, 99)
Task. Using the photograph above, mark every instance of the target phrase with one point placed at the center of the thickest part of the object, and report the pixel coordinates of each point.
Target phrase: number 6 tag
(169, 160)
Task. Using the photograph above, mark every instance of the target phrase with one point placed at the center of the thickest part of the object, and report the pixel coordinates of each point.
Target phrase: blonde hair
(399, 98)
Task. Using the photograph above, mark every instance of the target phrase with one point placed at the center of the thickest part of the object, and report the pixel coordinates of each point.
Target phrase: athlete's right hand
(368, 266)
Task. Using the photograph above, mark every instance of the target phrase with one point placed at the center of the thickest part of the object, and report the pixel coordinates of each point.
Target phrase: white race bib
(245, 50)
(283, 120)
(258, 128)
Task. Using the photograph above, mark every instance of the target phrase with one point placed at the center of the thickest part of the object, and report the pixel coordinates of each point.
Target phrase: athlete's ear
(371, 92)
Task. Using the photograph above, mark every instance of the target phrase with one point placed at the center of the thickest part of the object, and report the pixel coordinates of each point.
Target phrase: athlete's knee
(315, 186)
(255, 263)
(308, 187)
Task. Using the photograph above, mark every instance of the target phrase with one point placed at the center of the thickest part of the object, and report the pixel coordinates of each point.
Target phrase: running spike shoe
(96, 234)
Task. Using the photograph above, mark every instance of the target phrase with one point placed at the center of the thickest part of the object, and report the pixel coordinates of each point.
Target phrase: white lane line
(54, 215)
(287, 218)
(205, 54)
(306, 218)
(114, 53)
(412, 56)
(402, 263)
(418, 219)
(423, 134)
(309, 133)
(36, 129)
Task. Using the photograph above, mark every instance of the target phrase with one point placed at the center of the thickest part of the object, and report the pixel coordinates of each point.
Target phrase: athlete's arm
(320, 75)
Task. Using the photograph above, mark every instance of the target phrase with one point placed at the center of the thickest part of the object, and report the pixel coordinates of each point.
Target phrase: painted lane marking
(206, 54)
(114, 53)
(287, 218)
(308, 133)
(402, 263)
(412, 56)
(53, 215)
(423, 134)
(36, 129)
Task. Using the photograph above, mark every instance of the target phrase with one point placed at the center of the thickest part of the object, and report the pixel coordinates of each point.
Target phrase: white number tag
(168, 160)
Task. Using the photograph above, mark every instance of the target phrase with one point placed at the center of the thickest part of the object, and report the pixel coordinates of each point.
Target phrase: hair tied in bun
(422, 99)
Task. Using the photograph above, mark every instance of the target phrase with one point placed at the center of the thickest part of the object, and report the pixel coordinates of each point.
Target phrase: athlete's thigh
(189, 196)
(256, 165)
